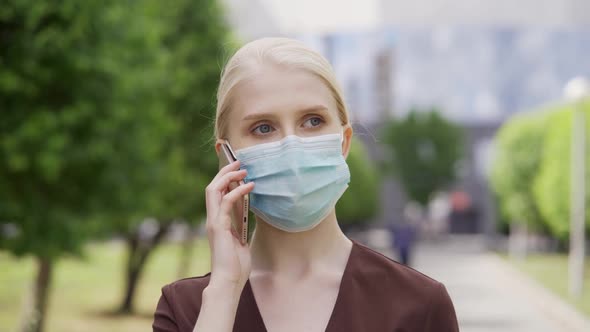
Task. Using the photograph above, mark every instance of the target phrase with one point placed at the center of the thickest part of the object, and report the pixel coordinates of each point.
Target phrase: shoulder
(185, 295)
(187, 288)
(192, 283)
(374, 265)
(406, 296)
(180, 304)
(380, 276)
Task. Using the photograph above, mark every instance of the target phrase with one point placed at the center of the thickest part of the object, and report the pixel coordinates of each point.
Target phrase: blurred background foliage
(531, 172)
(517, 161)
(360, 202)
(106, 120)
(424, 150)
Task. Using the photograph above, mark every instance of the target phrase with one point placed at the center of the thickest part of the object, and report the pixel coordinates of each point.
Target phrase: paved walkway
(489, 295)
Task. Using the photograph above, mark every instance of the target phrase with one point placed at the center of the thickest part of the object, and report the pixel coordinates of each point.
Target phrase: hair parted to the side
(286, 52)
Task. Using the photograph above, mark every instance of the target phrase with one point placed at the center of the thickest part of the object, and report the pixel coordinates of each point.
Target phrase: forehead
(273, 88)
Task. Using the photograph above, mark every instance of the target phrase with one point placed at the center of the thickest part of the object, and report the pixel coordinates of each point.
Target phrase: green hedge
(519, 152)
(360, 202)
(531, 172)
(552, 185)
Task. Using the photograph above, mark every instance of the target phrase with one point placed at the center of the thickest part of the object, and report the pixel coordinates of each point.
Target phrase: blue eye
(263, 129)
(313, 122)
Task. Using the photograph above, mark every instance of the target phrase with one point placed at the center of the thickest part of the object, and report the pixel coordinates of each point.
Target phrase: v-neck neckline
(258, 321)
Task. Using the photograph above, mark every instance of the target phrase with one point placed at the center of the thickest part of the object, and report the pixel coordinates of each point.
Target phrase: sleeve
(441, 313)
(164, 320)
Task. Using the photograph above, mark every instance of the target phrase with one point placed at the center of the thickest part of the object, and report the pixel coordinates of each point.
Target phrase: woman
(282, 112)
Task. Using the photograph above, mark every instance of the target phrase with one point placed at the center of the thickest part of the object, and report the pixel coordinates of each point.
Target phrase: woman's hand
(230, 260)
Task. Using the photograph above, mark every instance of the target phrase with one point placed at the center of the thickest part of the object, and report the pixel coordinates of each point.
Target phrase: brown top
(376, 294)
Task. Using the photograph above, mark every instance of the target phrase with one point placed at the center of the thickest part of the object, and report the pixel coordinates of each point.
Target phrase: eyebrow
(315, 108)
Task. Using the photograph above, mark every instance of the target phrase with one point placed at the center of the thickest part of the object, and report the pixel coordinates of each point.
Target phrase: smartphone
(241, 208)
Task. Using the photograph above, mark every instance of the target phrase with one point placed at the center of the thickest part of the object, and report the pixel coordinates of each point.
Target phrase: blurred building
(250, 19)
(480, 61)
(384, 69)
(555, 13)
(477, 76)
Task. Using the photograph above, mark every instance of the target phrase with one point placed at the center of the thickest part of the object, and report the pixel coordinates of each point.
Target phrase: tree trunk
(35, 319)
(138, 253)
(186, 254)
(517, 241)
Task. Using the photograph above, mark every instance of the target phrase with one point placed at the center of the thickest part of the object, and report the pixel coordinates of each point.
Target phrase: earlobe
(218, 146)
(346, 140)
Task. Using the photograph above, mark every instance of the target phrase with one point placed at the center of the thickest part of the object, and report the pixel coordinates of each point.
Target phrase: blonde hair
(279, 51)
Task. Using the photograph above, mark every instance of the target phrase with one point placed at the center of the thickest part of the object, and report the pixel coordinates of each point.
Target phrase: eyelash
(257, 128)
(254, 131)
(315, 117)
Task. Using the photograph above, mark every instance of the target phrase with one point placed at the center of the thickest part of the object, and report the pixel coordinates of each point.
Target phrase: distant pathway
(489, 295)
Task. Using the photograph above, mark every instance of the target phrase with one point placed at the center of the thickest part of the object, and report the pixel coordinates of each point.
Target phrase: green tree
(68, 76)
(552, 185)
(424, 151)
(193, 38)
(360, 201)
(519, 149)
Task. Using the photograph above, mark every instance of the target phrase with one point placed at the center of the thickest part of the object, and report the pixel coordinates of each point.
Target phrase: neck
(295, 254)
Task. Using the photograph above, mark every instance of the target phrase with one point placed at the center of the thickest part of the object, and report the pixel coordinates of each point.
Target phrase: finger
(233, 196)
(222, 221)
(218, 188)
(223, 182)
(226, 169)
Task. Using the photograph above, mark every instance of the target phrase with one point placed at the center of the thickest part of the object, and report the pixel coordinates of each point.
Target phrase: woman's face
(277, 102)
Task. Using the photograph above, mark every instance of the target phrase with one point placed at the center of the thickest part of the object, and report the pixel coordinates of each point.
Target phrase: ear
(346, 140)
(218, 146)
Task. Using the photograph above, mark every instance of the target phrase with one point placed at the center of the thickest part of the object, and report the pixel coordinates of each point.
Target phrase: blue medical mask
(298, 180)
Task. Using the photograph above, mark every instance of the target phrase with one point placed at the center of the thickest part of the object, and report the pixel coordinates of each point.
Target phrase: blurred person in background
(280, 108)
(404, 234)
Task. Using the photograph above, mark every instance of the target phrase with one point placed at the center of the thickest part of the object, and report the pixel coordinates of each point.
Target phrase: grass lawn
(84, 291)
(552, 272)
